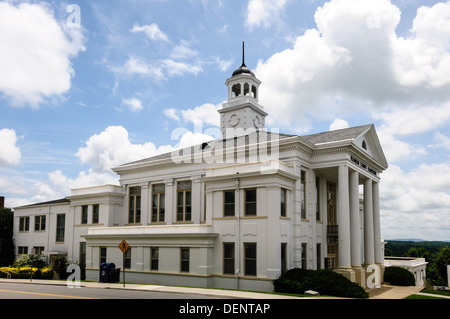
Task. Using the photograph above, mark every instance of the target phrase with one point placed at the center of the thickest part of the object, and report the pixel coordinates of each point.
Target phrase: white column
(368, 223)
(355, 223)
(376, 222)
(343, 217)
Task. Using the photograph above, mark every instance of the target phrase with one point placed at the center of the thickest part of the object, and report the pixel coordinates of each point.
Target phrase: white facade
(417, 266)
(235, 212)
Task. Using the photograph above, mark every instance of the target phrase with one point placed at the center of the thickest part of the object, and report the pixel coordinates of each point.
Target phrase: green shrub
(399, 276)
(326, 282)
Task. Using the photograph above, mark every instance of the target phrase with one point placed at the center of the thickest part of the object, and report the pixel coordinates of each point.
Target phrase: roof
(52, 202)
(215, 143)
(347, 134)
(337, 135)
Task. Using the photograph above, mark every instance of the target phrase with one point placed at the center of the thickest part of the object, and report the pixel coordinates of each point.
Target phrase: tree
(419, 252)
(441, 261)
(6, 234)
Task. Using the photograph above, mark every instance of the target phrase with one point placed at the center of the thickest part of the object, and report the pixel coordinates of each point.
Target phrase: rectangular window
(250, 259)
(82, 253)
(250, 202)
(38, 250)
(319, 256)
(134, 215)
(318, 198)
(24, 223)
(39, 223)
(127, 259)
(304, 254)
(184, 193)
(228, 258)
(283, 257)
(102, 255)
(84, 214)
(95, 213)
(303, 195)
(60, 227)
(228, 203)
(154, 258)
(22, 250)
(158, 203)
(283, 203)
(184, 260)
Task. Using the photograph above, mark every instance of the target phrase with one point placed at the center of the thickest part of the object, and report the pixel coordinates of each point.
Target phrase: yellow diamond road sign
(124, 246)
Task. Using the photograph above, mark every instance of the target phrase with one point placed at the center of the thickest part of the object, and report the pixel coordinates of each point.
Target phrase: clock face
(234, 120)
(257, 121)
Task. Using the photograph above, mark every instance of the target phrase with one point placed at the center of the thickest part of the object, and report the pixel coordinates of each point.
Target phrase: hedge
(324, 281)
(399, 276)
(24, 272)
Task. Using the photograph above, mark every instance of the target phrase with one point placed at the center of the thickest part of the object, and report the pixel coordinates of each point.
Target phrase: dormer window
(364, 145)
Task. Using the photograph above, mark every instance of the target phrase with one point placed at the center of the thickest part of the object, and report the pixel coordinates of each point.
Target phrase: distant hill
(399, 247)
(405, 239)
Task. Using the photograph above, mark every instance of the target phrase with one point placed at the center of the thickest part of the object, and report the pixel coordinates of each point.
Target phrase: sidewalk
(385, 292)
(393, 292)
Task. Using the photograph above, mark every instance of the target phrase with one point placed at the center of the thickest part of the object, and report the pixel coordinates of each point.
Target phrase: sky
(88, 85)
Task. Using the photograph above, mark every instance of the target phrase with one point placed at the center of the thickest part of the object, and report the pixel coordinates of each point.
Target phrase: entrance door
(332, 227)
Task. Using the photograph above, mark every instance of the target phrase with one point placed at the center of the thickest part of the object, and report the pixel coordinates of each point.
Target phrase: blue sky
(89, 85)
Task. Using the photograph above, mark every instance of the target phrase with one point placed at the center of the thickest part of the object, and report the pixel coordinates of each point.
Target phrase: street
(37, 291)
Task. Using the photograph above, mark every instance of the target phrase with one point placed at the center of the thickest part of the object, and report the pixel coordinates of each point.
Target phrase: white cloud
(152, 31)
(160, 70)
(134, 104)
(200, 115)
(414, 204)
(264, 12)
(339, 124)
(36, 52)
(354, 60)
(172, 113)
(112, 147)
(399, 123)
(10, 154)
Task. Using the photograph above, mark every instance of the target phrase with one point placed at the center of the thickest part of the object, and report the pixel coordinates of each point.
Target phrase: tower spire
(243, 54)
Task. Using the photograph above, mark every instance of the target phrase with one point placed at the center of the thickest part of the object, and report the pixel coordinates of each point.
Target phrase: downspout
(238, 201)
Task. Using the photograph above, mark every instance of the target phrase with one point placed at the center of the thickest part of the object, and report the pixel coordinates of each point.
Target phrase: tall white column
(343, 217)
(376, 222)
(369, 247)
(355, 223)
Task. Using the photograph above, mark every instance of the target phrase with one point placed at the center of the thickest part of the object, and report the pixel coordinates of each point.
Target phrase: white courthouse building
(235, 212)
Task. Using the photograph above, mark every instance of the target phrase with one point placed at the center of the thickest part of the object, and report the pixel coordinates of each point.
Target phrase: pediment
(367, 142)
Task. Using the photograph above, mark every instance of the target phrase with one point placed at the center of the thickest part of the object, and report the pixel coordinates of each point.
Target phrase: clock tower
(242, 113)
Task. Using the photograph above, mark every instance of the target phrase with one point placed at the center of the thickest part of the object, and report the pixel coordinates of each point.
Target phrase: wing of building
(234, 212)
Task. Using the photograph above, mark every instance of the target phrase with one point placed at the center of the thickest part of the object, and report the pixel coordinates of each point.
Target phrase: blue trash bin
(105, 271)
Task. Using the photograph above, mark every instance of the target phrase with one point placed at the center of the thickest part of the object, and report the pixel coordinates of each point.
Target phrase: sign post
(123, 247)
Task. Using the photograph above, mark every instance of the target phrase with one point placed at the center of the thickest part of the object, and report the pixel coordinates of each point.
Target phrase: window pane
(228, 258)
(162, 206)
(184, 185)
(95, 213)
(250, 259)
(228, 203)
(158, 188)
(250, 202)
